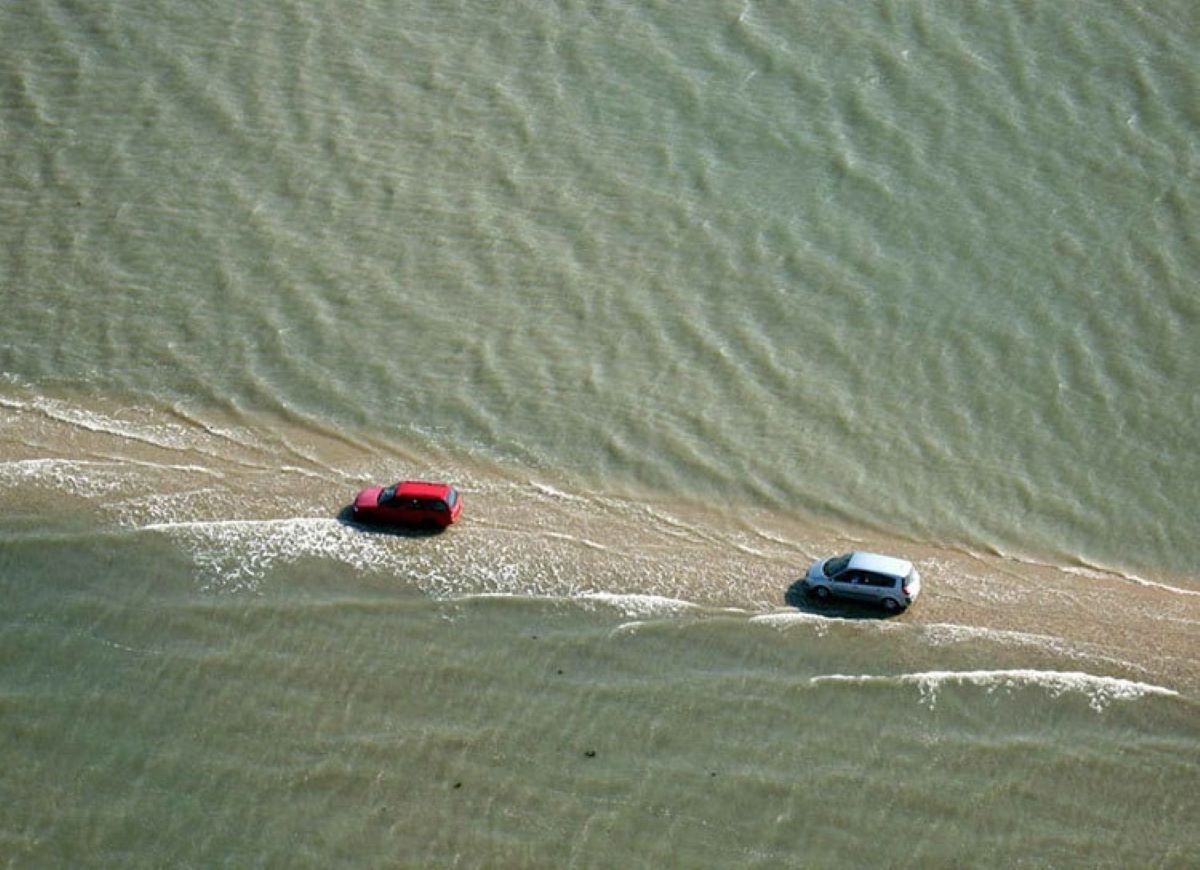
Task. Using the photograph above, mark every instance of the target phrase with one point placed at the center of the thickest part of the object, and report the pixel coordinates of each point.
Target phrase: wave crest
(1099, 690)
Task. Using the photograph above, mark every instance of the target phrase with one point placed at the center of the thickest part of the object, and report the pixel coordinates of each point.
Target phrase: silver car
(891, 583)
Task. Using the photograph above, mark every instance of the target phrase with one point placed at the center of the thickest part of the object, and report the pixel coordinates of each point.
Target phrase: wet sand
(244, 494)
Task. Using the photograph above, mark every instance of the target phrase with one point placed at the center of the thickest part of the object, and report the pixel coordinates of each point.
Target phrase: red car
(409, 503)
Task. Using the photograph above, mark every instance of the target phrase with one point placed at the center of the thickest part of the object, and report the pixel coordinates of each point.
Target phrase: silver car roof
(880, 564)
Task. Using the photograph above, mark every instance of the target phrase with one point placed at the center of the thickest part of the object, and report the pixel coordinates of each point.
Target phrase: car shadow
(346, 518)
(796, 597)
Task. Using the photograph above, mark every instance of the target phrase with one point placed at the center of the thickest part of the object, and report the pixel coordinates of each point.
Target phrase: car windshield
(836, 565)
(387, 495)
(451, 496)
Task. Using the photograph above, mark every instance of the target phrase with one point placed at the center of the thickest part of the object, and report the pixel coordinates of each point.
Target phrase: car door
(400, 510)
(387, 508)
(848, 584)
(876, 587)
(414, 511)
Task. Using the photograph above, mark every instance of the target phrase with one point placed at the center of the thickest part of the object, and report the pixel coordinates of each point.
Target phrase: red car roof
(422, 489)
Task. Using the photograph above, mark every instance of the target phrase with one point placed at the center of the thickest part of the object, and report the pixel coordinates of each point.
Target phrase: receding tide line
(1099, 690)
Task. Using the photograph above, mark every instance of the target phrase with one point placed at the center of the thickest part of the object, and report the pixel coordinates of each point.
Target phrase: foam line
(167, 437)
(586, 542)
(939, 633)
(550, 491)
(1094, 573)
(785, 618)
(241, 437)
(210, 525)
(67, 474)
(635, 605)
(1100, 690)
(1139, 581)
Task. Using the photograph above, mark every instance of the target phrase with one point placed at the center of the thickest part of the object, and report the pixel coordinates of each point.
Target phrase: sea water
(681, 299)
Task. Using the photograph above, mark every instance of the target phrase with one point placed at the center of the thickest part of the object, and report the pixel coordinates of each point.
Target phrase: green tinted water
(682, 299)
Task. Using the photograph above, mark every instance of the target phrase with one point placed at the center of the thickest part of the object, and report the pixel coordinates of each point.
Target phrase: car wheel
(891, 605)
(820, 593)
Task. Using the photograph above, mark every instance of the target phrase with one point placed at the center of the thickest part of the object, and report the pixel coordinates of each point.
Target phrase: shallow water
(340, 716)
(682, 301)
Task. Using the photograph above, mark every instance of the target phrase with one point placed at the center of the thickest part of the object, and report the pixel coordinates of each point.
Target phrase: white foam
(941, 633)
(628, 628)
(639, 606)
(1100, 690)
(1101, 574)
(788, 618)
(585, 542)
(161, 435)
(234, 555)
(1140, 581)
(552, 492)
(82, 478)
(747, 549)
